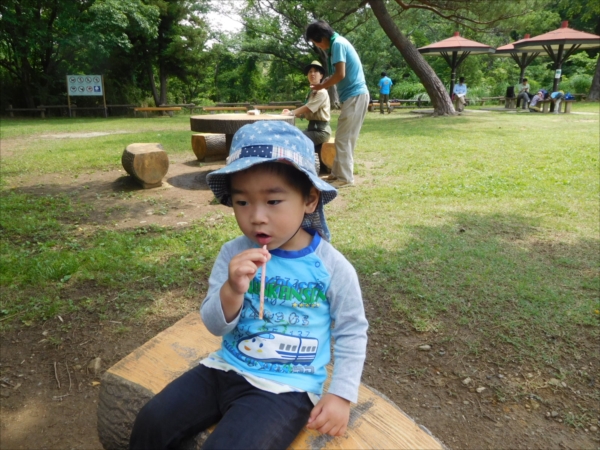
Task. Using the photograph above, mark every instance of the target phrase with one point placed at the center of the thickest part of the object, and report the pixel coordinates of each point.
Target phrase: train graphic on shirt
(278, 348)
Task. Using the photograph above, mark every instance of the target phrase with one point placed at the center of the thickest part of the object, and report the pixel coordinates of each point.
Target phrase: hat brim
(319, 68)
(218, 183)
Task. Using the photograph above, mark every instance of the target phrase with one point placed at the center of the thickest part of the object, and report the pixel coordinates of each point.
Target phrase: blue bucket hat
(271, 141)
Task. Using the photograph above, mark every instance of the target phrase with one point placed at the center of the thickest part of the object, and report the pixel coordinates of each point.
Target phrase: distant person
(557, 98)
(523, 93)
(459, 95)
(316, 110)
(345, 71)
(533, 104)
(385, 84)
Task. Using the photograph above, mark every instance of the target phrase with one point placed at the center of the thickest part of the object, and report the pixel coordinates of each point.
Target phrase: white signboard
(84, 85)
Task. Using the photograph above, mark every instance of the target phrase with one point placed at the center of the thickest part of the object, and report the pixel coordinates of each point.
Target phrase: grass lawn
(484, 225)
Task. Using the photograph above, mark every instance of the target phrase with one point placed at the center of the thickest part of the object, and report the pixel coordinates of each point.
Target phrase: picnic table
(228, 124)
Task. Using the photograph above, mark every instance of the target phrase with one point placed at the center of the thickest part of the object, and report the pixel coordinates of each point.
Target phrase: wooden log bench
(147, 163)
(375, 422)
(327, 154)
(213, 109)
(209, 146)
(147, 109)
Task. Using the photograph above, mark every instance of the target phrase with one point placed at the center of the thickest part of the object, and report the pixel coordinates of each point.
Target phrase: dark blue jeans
(248, 418)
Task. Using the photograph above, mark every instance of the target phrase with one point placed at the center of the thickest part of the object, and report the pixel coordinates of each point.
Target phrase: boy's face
(314, 76)
(269, 211)
(323, 45)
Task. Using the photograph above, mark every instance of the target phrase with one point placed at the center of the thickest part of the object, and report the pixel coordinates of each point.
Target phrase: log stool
(209, 146)
(375, 422)
(147, 163)
(328, 153)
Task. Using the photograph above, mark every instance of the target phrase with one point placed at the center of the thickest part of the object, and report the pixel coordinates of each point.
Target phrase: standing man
(385, 84)
(523, 93)
(345, 71)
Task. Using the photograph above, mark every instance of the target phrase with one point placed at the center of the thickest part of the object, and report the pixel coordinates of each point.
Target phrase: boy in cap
(316, 108)
(265, 383)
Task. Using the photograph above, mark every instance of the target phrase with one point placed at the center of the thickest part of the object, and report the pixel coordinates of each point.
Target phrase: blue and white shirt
(305, 291)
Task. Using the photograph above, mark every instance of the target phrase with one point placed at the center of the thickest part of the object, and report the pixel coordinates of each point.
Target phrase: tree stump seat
(375, 422)
(147, 163)
(327, 153)
(209, 146)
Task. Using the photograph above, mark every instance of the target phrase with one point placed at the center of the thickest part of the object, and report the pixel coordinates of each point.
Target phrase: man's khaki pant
(351, 119)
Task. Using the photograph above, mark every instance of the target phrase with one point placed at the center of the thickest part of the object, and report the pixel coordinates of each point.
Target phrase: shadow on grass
(500, 279)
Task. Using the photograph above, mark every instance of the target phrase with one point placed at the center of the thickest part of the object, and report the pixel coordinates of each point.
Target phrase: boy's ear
(312, 200)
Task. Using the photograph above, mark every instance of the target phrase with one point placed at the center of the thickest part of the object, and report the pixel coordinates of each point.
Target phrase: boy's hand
(243, 267)
(330, 415)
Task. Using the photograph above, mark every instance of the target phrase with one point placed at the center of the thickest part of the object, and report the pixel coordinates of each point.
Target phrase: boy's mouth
(263, 239)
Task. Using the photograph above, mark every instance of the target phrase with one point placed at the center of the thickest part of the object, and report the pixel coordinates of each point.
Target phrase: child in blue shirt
(265, 383)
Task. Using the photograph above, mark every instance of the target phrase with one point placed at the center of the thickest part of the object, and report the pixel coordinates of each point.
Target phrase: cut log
(375, 422)
(209, 146)
(328, 153)
(147, 163)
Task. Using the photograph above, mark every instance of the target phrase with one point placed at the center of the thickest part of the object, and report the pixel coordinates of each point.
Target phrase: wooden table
(228, 124)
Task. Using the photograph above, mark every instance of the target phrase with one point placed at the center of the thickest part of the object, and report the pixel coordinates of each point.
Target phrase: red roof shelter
(454, 50)
(559, 44)
(523, 58)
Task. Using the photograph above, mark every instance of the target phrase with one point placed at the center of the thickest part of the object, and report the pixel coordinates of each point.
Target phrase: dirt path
(48, 395)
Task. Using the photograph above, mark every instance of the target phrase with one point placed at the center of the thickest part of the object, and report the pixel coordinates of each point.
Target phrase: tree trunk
(152, 84)
(440, 99)
(595, 89)
(163, 85)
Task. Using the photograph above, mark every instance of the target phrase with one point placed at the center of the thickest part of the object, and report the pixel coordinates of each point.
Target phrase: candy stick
(263, 278)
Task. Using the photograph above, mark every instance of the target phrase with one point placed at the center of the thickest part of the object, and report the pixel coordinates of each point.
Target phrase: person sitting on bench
(316, 108)
(533, 105)
(265, 383)
(523, 93)
(459, 95)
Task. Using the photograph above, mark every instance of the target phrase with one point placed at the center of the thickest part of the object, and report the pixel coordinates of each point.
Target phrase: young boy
(265, 383)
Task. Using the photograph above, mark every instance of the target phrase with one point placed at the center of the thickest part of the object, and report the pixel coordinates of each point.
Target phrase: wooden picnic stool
(375, 422)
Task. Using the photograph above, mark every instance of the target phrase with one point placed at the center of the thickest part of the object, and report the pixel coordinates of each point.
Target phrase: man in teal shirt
(345, 71)
(385, 84)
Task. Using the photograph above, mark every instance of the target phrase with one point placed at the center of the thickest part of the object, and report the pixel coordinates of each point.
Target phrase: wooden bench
(396, 104)
(40, 109)
(212, 109)
(547, 103)
(273, 107)
(147, 109)
(375, 422)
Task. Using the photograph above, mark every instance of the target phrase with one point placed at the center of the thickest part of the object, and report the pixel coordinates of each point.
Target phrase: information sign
(84, 85)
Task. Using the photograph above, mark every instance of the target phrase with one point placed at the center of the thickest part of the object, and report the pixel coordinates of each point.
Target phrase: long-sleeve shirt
(460, 89)
(305, 291)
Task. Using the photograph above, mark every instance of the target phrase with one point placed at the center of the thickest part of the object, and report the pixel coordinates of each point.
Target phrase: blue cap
(272, 141)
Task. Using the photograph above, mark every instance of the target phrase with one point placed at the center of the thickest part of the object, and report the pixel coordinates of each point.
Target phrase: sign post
(85, 85)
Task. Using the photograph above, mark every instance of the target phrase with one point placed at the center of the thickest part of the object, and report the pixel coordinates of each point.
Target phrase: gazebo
(455, 50)
(523, 58)
(559, 44)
